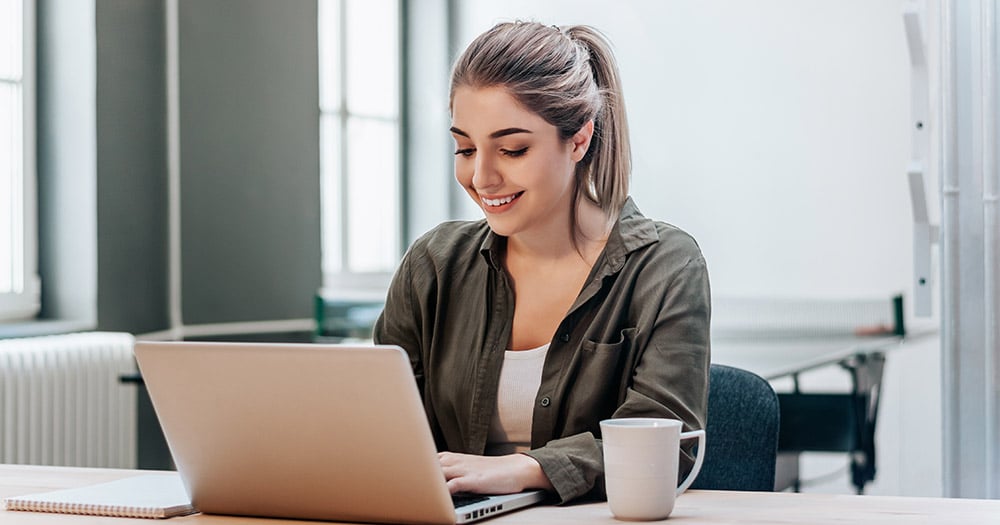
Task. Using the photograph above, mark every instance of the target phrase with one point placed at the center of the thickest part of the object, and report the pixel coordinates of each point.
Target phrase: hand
(492, 474)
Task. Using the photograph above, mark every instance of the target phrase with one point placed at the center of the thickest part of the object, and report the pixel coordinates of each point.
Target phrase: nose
(486, 175)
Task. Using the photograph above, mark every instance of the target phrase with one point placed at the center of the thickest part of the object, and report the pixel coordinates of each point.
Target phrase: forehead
(480, 111)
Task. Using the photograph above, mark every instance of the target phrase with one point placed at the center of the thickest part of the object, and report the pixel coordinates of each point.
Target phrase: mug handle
(700, 434)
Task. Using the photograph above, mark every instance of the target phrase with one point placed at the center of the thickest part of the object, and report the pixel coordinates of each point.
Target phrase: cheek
(560, 171)
(463, 172)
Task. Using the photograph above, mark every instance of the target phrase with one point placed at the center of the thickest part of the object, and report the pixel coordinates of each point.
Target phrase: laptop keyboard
(463, 499)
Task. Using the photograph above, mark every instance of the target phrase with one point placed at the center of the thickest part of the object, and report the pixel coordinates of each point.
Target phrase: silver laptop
(322, 432)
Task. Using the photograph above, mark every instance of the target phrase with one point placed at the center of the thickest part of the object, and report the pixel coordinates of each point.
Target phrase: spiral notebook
(147, 496)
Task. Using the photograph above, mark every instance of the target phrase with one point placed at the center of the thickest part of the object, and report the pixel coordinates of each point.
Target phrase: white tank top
(520, 376)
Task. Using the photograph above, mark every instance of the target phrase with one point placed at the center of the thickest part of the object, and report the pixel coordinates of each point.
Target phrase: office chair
(741, 436)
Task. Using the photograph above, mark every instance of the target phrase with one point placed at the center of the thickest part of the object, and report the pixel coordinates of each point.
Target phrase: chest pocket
(604, 374)
(624, 343)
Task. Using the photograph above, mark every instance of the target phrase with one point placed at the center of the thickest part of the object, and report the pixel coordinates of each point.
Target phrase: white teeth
(498, 202)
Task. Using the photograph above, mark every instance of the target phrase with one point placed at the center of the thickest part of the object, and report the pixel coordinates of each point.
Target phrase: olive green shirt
(635, 343)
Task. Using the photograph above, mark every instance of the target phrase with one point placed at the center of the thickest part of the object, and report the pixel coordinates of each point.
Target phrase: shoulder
(450, 245)
(439, 255)
(674, 259)
(655, 243)
(670, 270)
(676, 243)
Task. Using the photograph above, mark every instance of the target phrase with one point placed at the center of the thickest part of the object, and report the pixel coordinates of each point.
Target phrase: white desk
(786, 356)
(694, 507)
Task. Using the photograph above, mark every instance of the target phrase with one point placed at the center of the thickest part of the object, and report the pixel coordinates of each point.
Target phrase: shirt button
(546, 402)
(564, 338)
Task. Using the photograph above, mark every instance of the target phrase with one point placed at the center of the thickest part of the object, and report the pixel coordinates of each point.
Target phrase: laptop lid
(326, 432)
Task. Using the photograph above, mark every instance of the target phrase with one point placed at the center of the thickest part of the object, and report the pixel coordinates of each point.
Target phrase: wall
(131, 165)
(67, 159)
(249, 117)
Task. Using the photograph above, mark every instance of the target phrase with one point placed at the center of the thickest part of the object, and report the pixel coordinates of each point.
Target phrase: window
(19, 286)
(360, 131)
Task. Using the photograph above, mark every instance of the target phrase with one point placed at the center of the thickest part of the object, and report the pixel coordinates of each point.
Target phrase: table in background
(697, 506)
(775, 358)
(827, 422)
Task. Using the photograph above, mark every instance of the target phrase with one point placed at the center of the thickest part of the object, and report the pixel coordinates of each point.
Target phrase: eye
(465, 152)
(514, 153)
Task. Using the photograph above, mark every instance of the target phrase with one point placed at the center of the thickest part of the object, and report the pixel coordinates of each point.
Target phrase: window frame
(24, 301)
(343, 281)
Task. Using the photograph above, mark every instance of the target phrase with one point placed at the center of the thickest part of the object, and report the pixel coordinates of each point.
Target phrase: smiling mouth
(501, 201)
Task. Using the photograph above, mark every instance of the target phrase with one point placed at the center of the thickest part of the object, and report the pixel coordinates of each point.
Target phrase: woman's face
(512, 162)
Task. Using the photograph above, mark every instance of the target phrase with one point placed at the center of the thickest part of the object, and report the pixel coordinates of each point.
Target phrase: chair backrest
(741, 436)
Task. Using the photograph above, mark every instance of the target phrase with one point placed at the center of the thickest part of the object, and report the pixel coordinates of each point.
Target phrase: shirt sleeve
(669, 380)
(574, 465)
(401, 319)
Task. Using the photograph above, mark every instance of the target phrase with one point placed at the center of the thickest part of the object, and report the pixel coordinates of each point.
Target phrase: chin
(497, 227)
(500, 227)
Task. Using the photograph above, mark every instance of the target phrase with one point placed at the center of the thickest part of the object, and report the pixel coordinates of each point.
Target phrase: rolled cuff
(574, 465)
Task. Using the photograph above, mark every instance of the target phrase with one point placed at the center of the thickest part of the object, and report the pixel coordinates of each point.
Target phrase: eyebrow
(496, 134)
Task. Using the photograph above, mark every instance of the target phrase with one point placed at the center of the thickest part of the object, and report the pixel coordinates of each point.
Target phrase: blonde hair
(568, 76)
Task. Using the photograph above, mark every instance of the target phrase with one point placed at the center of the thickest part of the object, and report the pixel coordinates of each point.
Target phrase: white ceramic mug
(640, 465)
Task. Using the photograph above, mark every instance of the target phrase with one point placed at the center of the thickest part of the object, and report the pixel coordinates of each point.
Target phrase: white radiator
(61, 402)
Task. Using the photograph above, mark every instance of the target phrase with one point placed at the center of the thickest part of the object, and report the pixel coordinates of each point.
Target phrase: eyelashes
(514, 153)
(467, 152)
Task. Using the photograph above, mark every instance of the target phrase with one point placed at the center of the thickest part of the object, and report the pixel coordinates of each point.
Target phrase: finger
(456, 485)
(447, 458)
(451, 471)
(449, 461)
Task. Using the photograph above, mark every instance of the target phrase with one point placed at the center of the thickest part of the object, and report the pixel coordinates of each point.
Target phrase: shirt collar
(492, 248)
(631, 232)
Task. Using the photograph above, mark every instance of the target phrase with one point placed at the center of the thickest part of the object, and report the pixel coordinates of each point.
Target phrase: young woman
(565, 306)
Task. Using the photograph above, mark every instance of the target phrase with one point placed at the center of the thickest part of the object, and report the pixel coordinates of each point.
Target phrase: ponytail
(607, 177)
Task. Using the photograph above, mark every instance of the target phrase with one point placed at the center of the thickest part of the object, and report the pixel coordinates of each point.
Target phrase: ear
(581, 141)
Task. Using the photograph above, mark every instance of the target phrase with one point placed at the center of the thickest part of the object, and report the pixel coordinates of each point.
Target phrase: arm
(672, 376)
(401, 320)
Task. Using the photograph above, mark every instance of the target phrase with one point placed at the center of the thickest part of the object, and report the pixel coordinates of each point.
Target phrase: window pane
(10, 152)
(329, 54)
(373, 57)
(10, 39)
(330, 184)
(373, 195)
